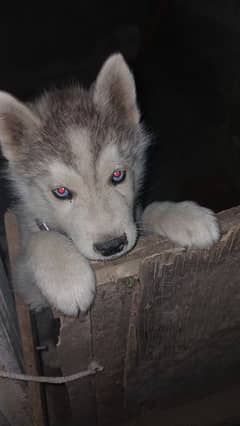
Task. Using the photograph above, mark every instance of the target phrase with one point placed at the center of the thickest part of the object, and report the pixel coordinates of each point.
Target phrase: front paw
(77, 295)
(185, 223)
(63, 275)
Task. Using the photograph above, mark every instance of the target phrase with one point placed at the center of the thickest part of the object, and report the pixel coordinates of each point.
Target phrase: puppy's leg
(185, 223)
(63, 276)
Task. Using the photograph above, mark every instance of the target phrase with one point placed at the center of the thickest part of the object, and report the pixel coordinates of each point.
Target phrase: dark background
(185, 56)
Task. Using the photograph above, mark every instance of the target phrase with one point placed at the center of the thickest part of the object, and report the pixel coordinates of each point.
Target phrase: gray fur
(77, 138)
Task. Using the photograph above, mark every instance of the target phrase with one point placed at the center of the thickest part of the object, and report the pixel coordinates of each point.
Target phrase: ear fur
(16, 121)
(115, 89)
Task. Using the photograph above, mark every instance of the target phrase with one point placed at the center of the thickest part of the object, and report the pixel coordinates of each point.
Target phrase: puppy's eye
(118, 176)
(62, 193)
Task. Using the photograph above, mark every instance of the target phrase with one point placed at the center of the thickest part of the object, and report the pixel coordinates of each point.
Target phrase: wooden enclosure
(165, 326)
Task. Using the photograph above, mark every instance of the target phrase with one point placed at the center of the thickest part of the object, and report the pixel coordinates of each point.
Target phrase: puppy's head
(76, 158)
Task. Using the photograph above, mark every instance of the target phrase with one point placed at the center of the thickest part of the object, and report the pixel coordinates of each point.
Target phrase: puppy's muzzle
(112, 246)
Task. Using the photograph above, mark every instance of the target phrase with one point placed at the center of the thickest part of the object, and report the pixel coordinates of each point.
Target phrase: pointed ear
(115, 89)
(16, 122)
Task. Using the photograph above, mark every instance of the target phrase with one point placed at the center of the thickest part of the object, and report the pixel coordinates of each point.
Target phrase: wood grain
(165, 325)
(75, 353)
(188, 320)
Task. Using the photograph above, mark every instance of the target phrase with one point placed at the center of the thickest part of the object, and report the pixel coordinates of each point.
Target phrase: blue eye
(62, 193)
(118, 176)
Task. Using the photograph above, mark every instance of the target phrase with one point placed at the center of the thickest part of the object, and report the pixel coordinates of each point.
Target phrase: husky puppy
(76, 161)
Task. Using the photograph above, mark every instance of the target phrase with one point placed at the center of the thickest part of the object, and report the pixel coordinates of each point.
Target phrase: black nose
(110, 247)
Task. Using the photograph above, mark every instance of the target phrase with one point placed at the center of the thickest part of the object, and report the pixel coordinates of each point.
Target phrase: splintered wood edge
(146, 247)
(149, 246)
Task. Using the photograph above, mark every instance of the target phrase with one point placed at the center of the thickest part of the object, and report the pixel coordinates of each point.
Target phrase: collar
(42, 225)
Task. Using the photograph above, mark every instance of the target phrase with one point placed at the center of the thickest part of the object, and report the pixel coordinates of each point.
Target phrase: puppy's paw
(63, 275)
(185, 223)
(78, 293)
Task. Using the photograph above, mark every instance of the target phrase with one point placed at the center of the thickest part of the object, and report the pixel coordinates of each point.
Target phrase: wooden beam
(14, 407)
(25, 327)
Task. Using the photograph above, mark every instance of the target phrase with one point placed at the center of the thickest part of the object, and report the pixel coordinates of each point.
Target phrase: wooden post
(14, 407)
(25, 327)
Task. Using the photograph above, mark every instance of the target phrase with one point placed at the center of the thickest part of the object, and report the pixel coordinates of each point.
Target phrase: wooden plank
(75, 354)
(110, 323)
(152, 245)
(141, 334)
(153, 336)
(100, 336)
(8, 317)
(25, 327)
(58, 404)
(13, 396)
(188, 326)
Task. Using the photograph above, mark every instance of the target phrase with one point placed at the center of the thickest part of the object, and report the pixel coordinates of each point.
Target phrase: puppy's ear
(115, 89)
(16, 123)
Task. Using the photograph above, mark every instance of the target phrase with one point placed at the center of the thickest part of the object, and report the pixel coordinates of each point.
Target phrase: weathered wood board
(165, 325)
(14, 408)
(25, 338)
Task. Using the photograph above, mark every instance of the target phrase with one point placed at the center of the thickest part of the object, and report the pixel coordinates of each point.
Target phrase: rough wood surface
(75, 354)
(165, 321)
(188, 324)
(110, 320)
(151, 245)
(58, 402)
(14, 408)
(165, 325)
(25, 327)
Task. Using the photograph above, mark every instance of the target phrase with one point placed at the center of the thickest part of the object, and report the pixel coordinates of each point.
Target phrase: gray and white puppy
(76, 160)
